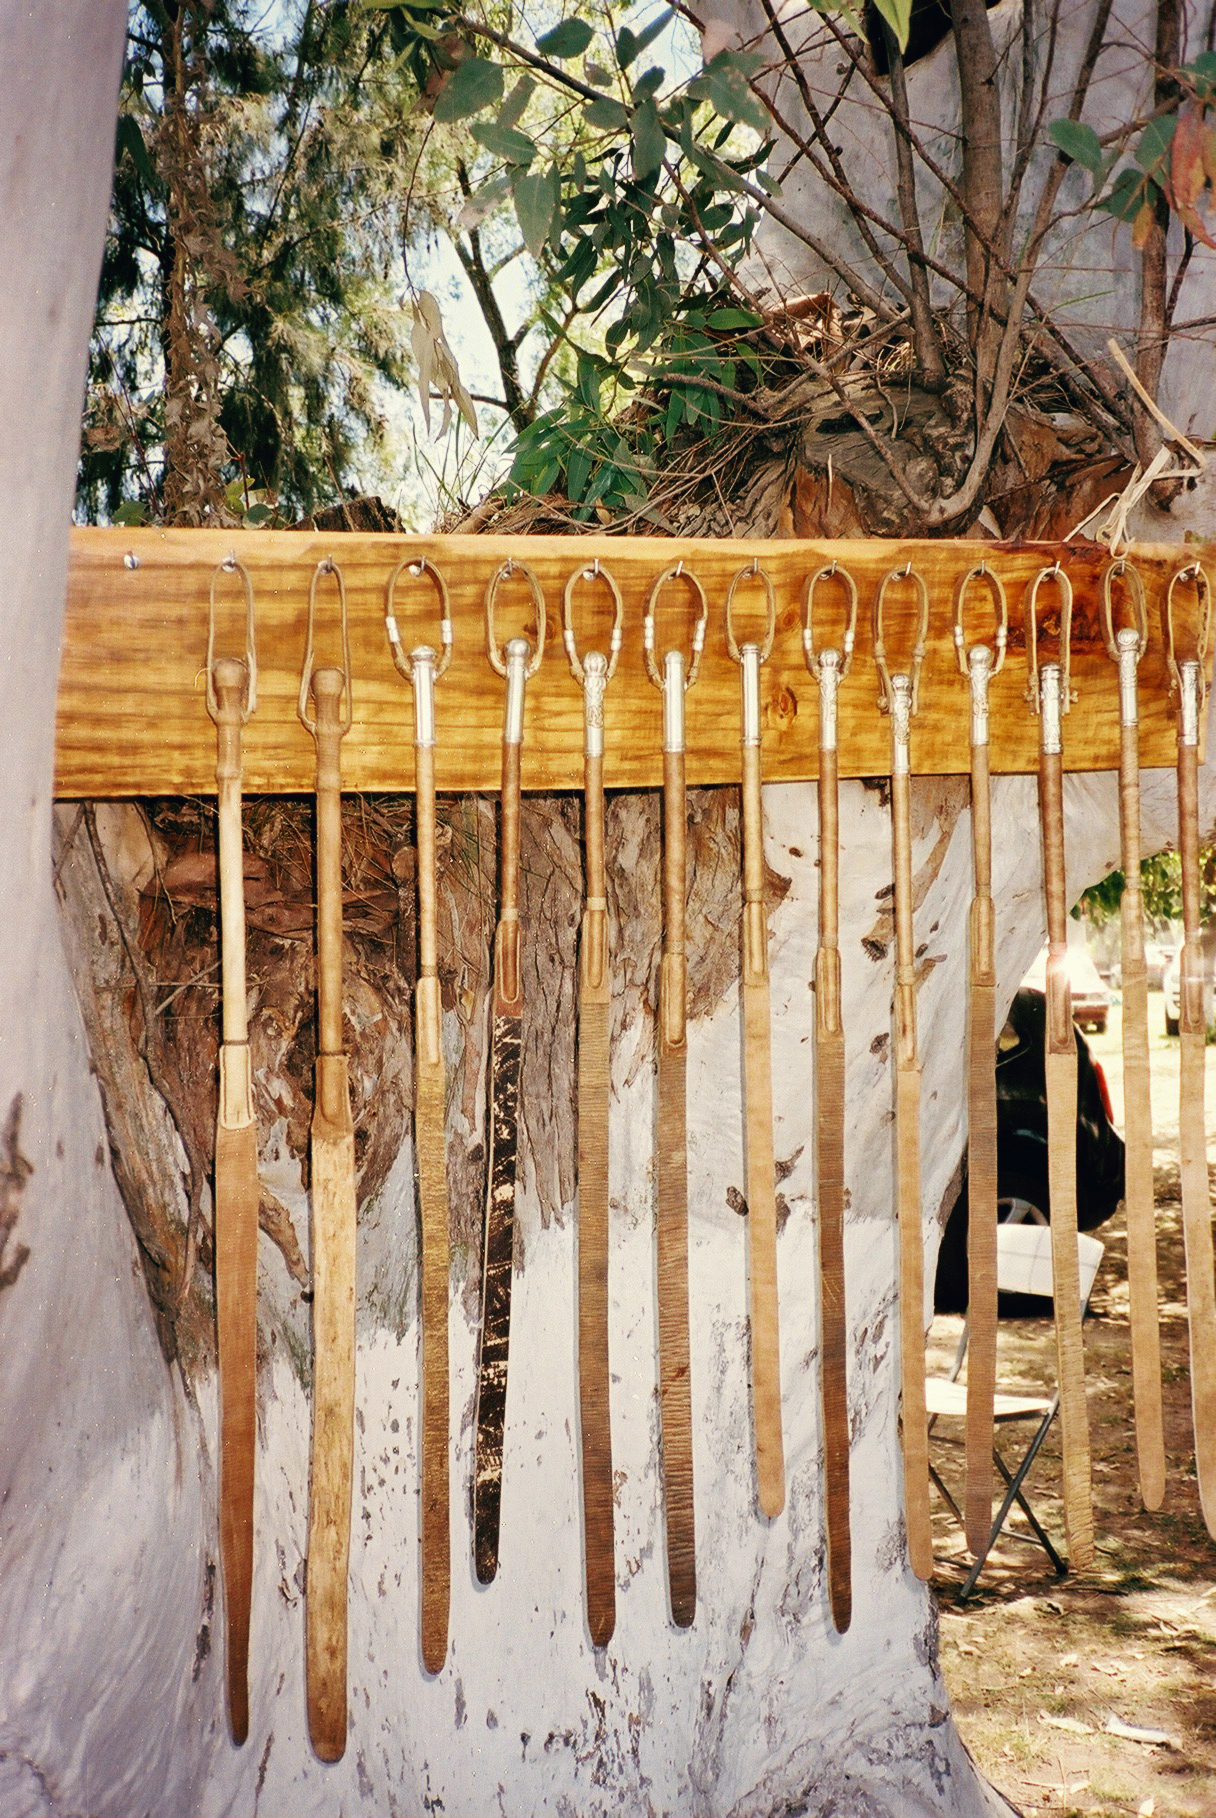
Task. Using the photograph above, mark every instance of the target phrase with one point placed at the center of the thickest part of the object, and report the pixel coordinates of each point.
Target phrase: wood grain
(132, 721)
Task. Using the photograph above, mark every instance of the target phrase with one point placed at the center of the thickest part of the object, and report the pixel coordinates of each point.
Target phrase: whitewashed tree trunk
(111, 1698)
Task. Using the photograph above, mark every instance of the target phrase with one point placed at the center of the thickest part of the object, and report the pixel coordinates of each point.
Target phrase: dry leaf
(437, 368)
(1130, 1732)
(1187, 174)
(1073, 1725)
(1142, 226)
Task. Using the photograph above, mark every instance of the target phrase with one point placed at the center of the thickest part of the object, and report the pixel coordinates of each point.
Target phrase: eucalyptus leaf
(649, 141)
(605, 115)
(477, 84)
(535, 206)
(569, 39)
(1155, 142)
(1078, 142)
(898, 15)
(512, 109)
(505, 142)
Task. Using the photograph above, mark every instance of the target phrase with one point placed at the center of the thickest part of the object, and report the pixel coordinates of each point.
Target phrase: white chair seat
(949, 1399)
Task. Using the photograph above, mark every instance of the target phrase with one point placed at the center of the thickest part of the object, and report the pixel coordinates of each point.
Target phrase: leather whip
(829, 665)
(231, 699)
(593, 672)
(1047, 692)
(422, 668)
(333, 1218)
(898, 697)
(758, 1068)
(1125, 648)
(675, 1376)
(979, 664)
(1187, 677)
(517, 664)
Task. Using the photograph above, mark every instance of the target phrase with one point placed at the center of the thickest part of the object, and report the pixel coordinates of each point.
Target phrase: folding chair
(1023, 1266)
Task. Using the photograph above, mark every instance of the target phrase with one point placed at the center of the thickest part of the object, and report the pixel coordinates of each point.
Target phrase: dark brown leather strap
(505, 1056)
(333, 1265)
(236, 1209)
(675, 1380)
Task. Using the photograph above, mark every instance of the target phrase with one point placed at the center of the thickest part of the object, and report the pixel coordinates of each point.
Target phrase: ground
(1039, 1667)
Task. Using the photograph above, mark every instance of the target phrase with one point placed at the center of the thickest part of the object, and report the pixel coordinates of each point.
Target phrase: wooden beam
(132, 717)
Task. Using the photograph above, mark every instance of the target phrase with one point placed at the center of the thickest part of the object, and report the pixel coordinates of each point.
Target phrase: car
(1169, 990)
(1090, 998)
(1021, 1144)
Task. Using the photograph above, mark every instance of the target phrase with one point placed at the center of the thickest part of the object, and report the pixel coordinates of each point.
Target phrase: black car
(1021, 1143)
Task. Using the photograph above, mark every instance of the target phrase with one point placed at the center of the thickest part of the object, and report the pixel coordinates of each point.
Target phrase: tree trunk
(112, 1697)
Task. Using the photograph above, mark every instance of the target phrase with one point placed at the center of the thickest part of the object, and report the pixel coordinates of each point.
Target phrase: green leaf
(258, 516)
(898, 15)
(510, 112)
(631, 44)
(578, 472)
(1078, 142)
(734, 318)
(569, 39)
(476, 84)
(1126, 196)
(649, 84)
(505, 142)
(131, 141)
(131, 512)
(649, 141)
(1155, 142)
(535, 205)
(605, 115)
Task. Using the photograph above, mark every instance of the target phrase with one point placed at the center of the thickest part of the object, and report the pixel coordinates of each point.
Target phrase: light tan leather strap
(1061, 1071)
(829, 665)
(1125, 648)
(898, 697)
(979, 662)
(593, 672)
(758, 1075)
(333, 1260)
(1188, 676)
(1196, 1196)
(422, 669)
(519, 661)
(236, 1195)
(675, 1376)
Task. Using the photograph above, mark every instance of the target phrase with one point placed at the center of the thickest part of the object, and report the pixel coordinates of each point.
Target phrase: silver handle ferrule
(829, 689)
(595, 680)
(901, 724)
(979, 673)
(518, 652)
(1188, 695)
(423, 678)
(1051, 737)
(1128, 645)
(749, 658)
(673, 701)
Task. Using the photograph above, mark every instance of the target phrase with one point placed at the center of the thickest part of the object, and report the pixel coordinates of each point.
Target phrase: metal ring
(1122, 568)
(698, 630)
(1030, 625)
(885, 696)
(834, 573)
(1203, 588)
(753, 572)
(1000, 608)
(504, 573)
(230, 565)
(326, 565)
(614, 643)
(418, 566)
